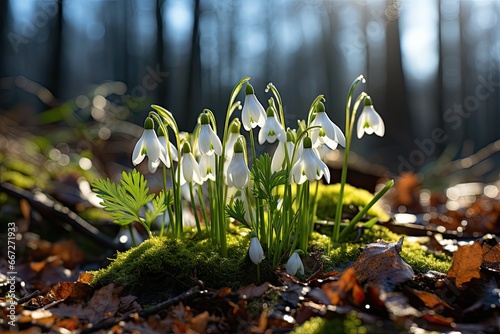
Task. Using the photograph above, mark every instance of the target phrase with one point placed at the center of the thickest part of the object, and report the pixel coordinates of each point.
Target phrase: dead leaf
(380, 264)
(253, 291)
(466, 264)
(491, 257)
(347, 286)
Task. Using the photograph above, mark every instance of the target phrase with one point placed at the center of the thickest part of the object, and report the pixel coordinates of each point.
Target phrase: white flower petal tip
(294, 264)
(255, 251)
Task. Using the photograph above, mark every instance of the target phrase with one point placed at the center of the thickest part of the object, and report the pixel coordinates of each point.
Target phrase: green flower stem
(363, 212)
(261, 226)
(132, 235)
(349, 121)
(193, 206)
(203, 208)
(164, 171)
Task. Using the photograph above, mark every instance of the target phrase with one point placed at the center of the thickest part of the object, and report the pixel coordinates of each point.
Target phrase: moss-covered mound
(160, 264)
(179, 264)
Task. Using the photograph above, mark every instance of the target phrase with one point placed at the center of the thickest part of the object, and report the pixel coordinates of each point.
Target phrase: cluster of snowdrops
(272, 196)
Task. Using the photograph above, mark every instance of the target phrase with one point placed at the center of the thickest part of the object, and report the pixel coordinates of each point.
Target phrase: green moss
(343, 255)
(176, 264)
(348, 324)
(328, 198)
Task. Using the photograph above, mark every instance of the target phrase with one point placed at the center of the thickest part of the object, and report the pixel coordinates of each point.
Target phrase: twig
(48, 207)
(166, 304)
(108, 323)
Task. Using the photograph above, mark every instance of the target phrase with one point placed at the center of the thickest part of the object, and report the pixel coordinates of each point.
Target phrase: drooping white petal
(294, 264)
(139, 153)
(271, 131)
(208, 140)
(190, 171)
(253, 113)
(238, 173)
(331, 130)
(255, 251)
(370, 122)
(152, 144)
(207, 167)
(309, 167)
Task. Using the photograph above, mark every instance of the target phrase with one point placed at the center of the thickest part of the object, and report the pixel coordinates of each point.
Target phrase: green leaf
(267, 180)
(124, 200)
(237, 212)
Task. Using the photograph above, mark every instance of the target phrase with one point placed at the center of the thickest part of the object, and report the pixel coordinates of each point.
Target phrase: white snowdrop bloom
(253, 113)
(370, 121)
(208, 141)
(148, 145)
(234, 134)
(188, 167)
(238, 173)
(207, 166)
(280, 153)
(294, 264)
(166, 145)
(272, 129)
(255, 251)
(309, 166)
(332, 131)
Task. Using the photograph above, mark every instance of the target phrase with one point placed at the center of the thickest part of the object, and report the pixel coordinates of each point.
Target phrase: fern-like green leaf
(124, 200)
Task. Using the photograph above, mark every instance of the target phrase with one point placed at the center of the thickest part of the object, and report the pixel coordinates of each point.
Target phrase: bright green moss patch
(169, 264)
(178, 264)
(328, 196)
(343, 255)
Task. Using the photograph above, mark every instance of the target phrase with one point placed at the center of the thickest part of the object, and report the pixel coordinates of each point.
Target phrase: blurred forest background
(432, 67)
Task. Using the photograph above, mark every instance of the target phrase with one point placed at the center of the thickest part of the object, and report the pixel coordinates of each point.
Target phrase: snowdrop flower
(294, 264)
(238, 173)
(280, 153)
(272, 129)
(309, 166)
(255, 251)
(253, 112)
(188, 167)
(148, 144)
(334, 135)
(323, 149)
(208, 142)
(370, 121)
(173, 151)
(207, 166)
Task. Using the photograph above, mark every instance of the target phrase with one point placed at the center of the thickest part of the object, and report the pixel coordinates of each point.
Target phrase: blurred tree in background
(432, 66)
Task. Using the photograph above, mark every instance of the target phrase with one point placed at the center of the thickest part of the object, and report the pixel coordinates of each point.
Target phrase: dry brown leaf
(338, 291)
(466, 264)
(381, 265)
(253, 291)
(491, 257)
